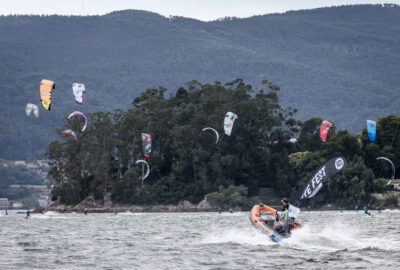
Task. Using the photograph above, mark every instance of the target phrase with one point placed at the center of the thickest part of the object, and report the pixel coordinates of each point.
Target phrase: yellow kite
(46, 87)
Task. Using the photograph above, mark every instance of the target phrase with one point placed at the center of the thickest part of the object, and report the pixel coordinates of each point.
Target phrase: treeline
(364, 175)
(187, 164)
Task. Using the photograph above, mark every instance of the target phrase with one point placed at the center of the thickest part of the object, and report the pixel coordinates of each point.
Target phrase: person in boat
(281, 222)
(28, 214)
(285, 202)
(285, 214)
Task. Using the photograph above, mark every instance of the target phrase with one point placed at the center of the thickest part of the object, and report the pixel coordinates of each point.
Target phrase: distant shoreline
(177, 208)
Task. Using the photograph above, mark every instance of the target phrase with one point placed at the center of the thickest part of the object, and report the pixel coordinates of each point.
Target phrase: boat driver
(285, 213)
(285, 202)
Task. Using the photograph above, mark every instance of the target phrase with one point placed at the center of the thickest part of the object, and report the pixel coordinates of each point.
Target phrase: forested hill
(339, 63)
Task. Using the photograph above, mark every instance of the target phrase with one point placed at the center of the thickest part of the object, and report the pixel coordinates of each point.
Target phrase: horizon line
(387, 5)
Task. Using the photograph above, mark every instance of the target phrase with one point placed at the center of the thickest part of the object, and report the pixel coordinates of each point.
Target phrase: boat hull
(260, 224)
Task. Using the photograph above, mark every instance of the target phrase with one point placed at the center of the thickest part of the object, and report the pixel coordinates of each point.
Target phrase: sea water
(327, 240)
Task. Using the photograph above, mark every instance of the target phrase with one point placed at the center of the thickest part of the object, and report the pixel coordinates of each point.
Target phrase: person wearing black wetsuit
(366, 211)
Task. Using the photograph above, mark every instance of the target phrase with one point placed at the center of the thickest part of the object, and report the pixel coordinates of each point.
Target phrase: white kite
(84, 118)
(77, 90)
(216, 132)
(230, 118)
(32, 107)
(148, 168)
(393, 168)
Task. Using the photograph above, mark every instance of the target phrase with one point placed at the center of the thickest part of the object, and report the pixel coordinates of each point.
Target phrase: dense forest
(339, 63)
(187, 164)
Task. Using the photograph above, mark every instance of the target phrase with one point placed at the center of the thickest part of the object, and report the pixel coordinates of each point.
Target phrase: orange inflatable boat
(267, 225)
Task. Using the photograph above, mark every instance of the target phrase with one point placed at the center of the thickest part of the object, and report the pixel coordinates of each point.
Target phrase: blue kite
(371, 130)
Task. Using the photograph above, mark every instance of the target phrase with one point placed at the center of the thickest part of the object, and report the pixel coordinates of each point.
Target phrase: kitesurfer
(28, 214)
(366, 211)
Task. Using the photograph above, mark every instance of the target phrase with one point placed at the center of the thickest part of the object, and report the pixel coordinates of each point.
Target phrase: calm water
(345, 240)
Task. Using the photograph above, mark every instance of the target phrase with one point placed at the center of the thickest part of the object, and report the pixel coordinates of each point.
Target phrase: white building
(3, 203)
(19, 162)
(43, 200)
(18, 204)
(395, 184)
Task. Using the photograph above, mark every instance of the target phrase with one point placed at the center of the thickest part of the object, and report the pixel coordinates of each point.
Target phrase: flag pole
(142, 173)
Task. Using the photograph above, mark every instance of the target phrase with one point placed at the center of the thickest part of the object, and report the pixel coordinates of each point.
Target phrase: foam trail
(129, 213)
(241, 236)
(337, 235)
(391, 211)
(49, 215)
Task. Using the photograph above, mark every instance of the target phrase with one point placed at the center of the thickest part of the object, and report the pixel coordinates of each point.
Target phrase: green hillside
(339, 63)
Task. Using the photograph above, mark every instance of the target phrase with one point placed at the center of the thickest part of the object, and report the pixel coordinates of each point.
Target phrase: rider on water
(282, 219)
(366, 211)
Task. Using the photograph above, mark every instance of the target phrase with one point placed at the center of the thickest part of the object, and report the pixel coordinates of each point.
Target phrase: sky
(204, 10)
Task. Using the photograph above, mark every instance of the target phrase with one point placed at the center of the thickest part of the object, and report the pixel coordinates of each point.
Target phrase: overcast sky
(199, 9)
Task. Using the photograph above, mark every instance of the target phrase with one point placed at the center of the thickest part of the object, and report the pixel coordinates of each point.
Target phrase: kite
(230, 118)
(371, 130)
(324, 129)
(77, 90)
(216, 132)
(70, 133)
(84, 118)
(32, 107)
(46, 87)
